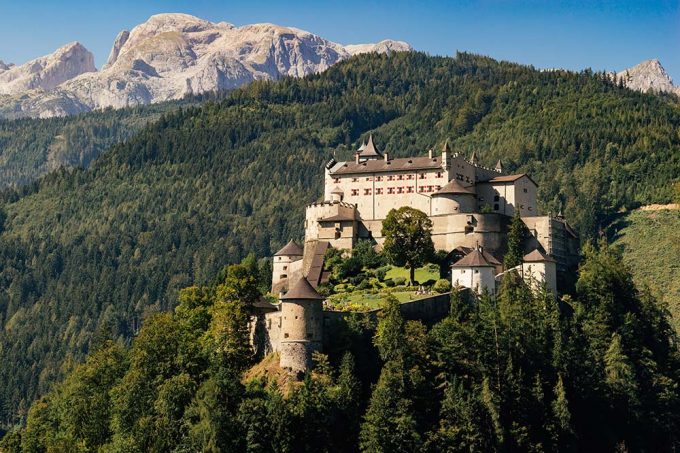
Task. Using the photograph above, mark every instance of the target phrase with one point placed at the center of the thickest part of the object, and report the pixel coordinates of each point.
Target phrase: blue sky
(602, 35)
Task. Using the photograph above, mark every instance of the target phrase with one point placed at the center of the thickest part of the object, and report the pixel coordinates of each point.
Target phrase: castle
(470, 207)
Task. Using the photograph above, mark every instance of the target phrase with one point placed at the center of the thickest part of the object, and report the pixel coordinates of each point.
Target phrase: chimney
(387, 159)
(356, 158)
(429, 153)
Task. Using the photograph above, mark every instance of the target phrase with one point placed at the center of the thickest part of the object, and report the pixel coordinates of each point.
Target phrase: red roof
(473, 259)
(380, 166)
(536, 256)
(511, 178)
(302, 291)
(290, 249)
(454, 187)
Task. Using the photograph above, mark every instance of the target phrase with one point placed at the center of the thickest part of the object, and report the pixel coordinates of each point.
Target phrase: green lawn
(369, 301)
(423, 274)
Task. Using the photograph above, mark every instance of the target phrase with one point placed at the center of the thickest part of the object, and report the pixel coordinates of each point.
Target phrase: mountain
(46, 73)
(174, 55)
(648, 76)
(87, 255)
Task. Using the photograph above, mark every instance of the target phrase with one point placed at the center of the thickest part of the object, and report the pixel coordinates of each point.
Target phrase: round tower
(301, 327)
(453, 198)
(474, 271)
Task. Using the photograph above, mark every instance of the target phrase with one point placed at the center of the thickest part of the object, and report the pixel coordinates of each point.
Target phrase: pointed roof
(370, 150)
(512, 178)
(302, 290)
(290, 249)
(473, 259)
(499, 166)
(361, 148)
(454, 187)
(536, 256)
(337, 190)
(446, 148)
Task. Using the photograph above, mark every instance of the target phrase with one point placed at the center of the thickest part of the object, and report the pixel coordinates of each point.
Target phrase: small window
(355, 192)
(390, 177)
(400, 177)
(496, 197)
(355, 179)
(367, 191)
(525, 190)
(390, 190)
(469, 229)
(378, 191)
(285, 335)
(283, 276)
(368, 178)
(336, 180)
(462, 271)
(476, 271)
(285, 268)
(378, 178)
(423, 176)
(409, 189)
(496, 207)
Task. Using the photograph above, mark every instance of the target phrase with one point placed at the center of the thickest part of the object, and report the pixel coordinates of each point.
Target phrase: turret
(499, 166)
(538, 269)
(446, 151)
(301, 327)
(289, 253)
(474, 271)
(473, 158)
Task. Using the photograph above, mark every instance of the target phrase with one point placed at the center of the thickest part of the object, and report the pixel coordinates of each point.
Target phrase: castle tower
(539, 268)
(301, 327)
(446, 154)
(474, 271)
(282, 267)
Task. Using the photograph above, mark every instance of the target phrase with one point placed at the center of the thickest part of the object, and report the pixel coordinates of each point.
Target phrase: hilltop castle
(470, 207)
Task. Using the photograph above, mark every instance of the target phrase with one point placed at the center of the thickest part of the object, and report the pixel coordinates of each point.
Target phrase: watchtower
(301, 326)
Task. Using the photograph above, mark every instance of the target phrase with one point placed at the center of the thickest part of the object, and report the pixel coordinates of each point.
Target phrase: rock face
(46, 72)
(646, 76)
(174, 55)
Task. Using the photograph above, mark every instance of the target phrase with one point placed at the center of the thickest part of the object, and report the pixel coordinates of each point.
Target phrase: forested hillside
(597, 371)
(86, 255)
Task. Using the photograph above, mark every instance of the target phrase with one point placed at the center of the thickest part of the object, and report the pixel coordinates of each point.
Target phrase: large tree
(408, 238)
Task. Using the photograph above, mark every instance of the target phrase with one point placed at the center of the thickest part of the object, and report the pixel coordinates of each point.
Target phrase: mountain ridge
(173, 55)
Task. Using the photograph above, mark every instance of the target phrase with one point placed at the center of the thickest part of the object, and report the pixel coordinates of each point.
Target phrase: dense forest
(86, 254)
(594, 371)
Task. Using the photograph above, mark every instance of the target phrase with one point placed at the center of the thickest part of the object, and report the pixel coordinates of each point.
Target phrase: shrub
(380, 274)
(389, 283)
(398, 281)
(364, 284)
(442, 286)
(350, 267)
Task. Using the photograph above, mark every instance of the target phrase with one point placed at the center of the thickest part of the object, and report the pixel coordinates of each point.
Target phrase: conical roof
(338, 190)
(473, 157)
(499, 166)
(290, 249)
(370, 150)
(454, 187)
(473, 259)
(302, 290)
(446, 148)
(536, 256)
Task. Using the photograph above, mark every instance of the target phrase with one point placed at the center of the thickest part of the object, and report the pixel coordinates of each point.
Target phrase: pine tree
(517, 234)
(561, 415)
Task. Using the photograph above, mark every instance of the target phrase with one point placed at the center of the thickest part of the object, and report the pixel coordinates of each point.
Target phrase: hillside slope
(651, 250)
(87, 254)
(30, 148)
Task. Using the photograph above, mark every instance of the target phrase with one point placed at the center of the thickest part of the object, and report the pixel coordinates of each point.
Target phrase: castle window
(367, 191)
(378, 191)
(355, 179)
(400, 190)
(421, 189)
(409, 177)
(462, 271)
(285, 335)
(390, 190)
(496, 197)
(378, 178)
(400, 177)
(430, 188)
(437, 187)
(529, 208)
(439, 174)
(336, 180)
(476, 271)
(285, 268)
(469, 229)
(459, 176)
(269, 324)
(525, 190)
(409, 189)
(390, 177)
(283, 276)
(355, 192)
(495, 207)
(423, 176)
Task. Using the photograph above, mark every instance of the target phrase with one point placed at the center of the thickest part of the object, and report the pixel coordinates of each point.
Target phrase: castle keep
(470, 207)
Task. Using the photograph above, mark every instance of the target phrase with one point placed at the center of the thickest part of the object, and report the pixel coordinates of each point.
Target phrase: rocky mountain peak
(5, 66)
(649, 75)
(49, 71)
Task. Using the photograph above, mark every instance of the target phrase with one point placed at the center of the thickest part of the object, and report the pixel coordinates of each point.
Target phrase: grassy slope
(651, 248)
